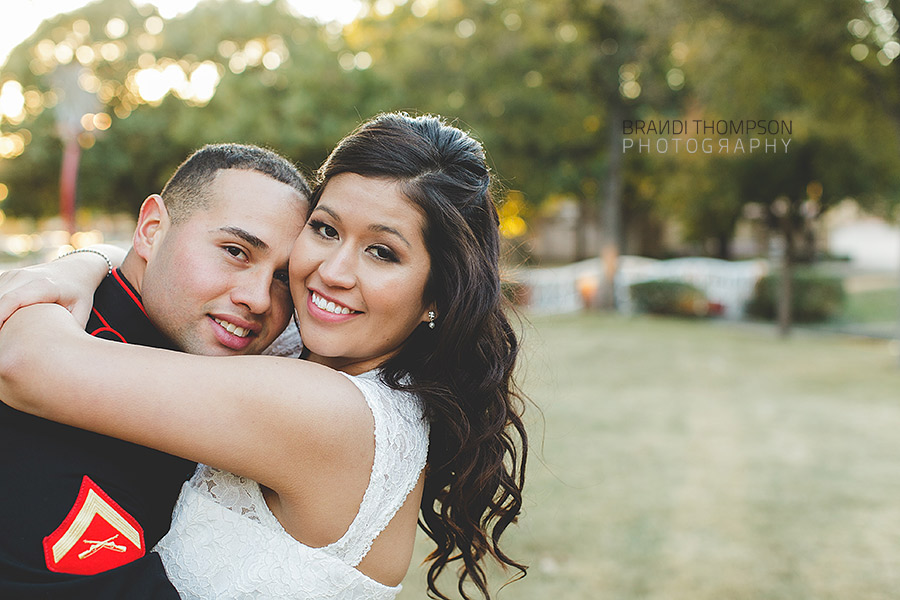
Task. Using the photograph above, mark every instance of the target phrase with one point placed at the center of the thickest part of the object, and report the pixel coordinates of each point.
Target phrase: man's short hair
(188, 190)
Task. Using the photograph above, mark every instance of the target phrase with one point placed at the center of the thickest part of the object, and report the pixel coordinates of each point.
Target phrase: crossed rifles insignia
(97, 535)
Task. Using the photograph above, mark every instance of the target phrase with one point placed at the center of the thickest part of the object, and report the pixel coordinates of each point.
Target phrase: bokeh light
(12, 101)
(630, 89)
(465, 28)
(116, 28)
(420, 8)
(512, 225)
(203, 82)
(675, 79)
(567, 33)
(533, 79)
(154, 25)
(512, 20)
(859, 52)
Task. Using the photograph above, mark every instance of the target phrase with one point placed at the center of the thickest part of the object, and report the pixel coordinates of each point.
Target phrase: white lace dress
(225, 543)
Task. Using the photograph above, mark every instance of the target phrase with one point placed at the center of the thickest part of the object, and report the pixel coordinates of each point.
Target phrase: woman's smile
(327, 309)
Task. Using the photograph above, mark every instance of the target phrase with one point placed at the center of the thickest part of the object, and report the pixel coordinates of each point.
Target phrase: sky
(20, 18)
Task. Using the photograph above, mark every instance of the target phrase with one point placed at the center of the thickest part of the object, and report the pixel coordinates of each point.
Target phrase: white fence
(555, 290)
(558, 289)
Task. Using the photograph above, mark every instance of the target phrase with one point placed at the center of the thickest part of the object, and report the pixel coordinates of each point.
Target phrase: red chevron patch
(97, 535)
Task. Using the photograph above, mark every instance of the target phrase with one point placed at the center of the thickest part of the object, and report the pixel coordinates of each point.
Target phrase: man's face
(217, 283)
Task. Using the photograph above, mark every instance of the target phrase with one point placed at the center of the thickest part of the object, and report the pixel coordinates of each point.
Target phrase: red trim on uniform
(128, 291)
(97, 535)
(99, 316)
(96, 332)
(106, 327)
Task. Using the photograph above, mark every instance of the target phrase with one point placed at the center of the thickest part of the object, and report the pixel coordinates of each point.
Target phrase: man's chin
(217, 349)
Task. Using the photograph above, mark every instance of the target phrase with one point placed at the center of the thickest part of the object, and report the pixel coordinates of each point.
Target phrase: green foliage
(534, 81)
(816, 297)
(872, 306)
(786, 61)
(541, 83)
(299, 109)
(665, 297)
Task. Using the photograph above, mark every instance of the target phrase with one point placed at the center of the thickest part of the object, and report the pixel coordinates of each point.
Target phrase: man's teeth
(330, 306)
(232, 328)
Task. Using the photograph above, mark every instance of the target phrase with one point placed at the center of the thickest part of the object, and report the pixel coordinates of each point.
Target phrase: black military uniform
(79, 511)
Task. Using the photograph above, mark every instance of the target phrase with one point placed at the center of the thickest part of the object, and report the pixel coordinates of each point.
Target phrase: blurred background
(699, 202)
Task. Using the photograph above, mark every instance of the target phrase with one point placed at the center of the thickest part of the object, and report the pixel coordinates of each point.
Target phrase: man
(207, 274)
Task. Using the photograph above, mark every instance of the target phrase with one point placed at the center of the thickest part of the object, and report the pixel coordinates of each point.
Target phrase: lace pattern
(288, 344)
(225, 543)
(401, 449)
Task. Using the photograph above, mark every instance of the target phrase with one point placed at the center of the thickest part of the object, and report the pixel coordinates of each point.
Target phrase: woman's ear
(153, 222)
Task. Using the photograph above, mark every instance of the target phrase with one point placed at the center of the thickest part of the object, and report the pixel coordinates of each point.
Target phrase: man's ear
(153, 222)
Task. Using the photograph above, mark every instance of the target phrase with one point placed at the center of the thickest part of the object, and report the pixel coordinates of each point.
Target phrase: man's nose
(254, 290)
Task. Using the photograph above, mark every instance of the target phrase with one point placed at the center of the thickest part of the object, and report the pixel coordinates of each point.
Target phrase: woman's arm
(69, 281)
(278, 421)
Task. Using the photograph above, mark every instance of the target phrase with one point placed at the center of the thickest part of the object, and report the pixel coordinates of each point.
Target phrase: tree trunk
(585, 219)
(786, 284)
(612, 211)
(723, 241)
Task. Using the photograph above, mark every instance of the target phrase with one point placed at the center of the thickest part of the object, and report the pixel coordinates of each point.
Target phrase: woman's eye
(324, 229)
(282, 277)
(383, 253)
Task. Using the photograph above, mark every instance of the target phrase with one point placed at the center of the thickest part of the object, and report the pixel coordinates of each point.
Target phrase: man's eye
(235, 251)
(282, 276)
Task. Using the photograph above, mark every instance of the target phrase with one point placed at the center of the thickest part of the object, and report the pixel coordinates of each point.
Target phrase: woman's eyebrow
(327, 210)
(390, 230)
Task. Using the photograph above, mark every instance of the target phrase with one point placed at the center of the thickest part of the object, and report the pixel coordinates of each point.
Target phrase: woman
(395, 280)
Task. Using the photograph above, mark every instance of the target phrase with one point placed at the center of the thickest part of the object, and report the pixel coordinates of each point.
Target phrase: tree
(548, 93)
(843, 140)
(227, 71)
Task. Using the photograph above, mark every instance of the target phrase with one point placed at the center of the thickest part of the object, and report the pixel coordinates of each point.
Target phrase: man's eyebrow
(375, 227)
(246, 236)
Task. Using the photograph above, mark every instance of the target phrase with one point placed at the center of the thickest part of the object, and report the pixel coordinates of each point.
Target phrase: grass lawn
(688, 460)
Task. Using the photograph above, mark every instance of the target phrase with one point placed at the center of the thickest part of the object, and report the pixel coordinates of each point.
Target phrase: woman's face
(358, 273)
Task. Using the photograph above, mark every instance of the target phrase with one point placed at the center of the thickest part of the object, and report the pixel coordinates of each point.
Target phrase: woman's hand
(69, 282)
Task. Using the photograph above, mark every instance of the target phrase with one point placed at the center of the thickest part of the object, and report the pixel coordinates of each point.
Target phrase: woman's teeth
(329, 306)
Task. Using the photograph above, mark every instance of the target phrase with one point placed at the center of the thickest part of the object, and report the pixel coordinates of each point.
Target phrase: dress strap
(401, 450)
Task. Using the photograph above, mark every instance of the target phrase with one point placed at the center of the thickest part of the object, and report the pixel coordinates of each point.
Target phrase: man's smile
(232, 328)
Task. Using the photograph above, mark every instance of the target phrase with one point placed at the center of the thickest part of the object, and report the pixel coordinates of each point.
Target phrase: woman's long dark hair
(462, 369)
